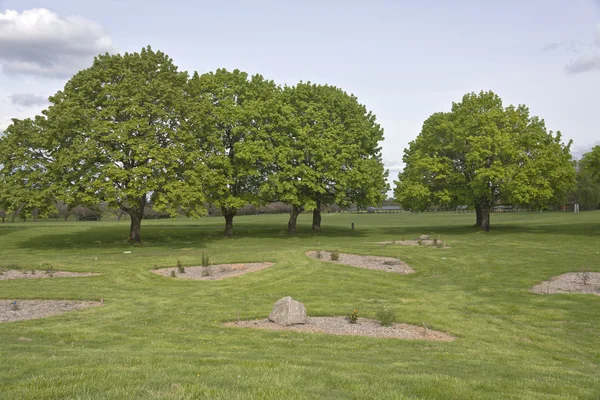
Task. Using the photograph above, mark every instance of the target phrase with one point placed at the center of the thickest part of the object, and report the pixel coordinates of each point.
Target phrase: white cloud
(584, 63)
(27, 99)
(41, 43)
(589, 61)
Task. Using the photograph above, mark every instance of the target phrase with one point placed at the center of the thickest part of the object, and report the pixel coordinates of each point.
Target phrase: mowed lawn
(158, 337)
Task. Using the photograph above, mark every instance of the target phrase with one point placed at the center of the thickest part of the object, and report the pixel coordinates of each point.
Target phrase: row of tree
(132, 129)
(482, 154)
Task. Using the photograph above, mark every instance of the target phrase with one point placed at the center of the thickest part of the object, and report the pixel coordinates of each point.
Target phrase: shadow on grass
(172, 236)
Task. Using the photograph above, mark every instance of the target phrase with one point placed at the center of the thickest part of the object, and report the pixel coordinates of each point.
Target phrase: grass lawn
(158, 337)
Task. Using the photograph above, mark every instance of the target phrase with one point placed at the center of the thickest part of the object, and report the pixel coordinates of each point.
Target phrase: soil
(387, 264)
(572, 282)
(416, 242)
(33, 309)
(39, 274)
(341, 326)
(213, 272)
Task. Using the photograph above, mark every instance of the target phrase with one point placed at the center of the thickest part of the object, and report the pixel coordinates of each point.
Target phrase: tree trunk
(296, 210)
(228, 214)
(134, 229)
(316, 225)
(485, 218)
(478, 216)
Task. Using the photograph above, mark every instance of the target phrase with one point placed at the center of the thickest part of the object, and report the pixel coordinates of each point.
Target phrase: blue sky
(403, 59)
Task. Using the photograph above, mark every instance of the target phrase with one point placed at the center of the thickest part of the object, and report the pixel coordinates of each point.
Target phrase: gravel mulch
(439, 244)
(387, 264)
(213, 272)
(572, 282)
(33, 309)
(341, 326)
(39, 274)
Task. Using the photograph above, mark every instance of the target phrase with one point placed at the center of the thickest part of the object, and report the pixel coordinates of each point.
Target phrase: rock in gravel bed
(572, 282)
(288, 311)
(213, 272)
(387, 264)
(341, 326)
(40, 274)
(21, 310)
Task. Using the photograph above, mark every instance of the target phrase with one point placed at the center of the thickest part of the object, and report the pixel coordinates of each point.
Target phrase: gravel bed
(430, 243)
(40, 274)
(388, 264)
(33, 309)
(341, 326)
(571, 282)
(213, 272)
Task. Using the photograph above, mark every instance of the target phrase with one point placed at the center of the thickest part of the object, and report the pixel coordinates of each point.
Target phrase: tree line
(132, 129)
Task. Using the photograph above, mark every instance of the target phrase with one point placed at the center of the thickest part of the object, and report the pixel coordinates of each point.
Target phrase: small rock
(424, 237)
(288, 311)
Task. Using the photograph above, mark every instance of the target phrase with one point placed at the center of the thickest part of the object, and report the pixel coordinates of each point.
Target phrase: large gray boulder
(288, 311)
(424, 237)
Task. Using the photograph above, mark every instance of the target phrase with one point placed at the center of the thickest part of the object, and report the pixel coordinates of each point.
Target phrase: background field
(159, 337)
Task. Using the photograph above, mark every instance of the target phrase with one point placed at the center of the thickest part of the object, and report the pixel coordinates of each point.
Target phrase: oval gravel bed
(33, 309)
(572, 282)
(23, 274)
(213, 272)
(341, 326)
(387, 264)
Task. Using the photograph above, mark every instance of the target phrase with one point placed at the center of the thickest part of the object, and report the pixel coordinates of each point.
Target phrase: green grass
(162, 338)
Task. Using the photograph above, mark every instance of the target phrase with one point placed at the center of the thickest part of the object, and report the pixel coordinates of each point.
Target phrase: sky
(404, 60)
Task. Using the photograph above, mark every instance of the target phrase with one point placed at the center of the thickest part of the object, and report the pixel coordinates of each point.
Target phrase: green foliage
(180, 267)
(481, 153)
(205, 261)
(234, 118)
(385, 316)
(118, 132)
(332, 142)
(334, 255)
(353, 316)
(173, 274)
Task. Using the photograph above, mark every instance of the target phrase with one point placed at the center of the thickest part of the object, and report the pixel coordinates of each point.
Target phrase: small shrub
(353, 317)
(180, 267)
(206, 271)
(435, 241)
(173, 274)
(584, 275)
(33, 272)
(420, 242)
(385, 316)
(318, 254)
(334, 255)
(205, 261)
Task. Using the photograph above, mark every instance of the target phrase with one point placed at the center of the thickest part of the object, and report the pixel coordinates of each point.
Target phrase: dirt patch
(33, 274)
(416, 242)
(387, 264)
(33, 309)
(572, 282)
(341, 326)
(213, 272)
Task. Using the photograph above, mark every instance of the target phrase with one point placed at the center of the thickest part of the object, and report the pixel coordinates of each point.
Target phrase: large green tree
(329, 152)
(24, 176)
(482, 153)
(235, 116)
(118, 133)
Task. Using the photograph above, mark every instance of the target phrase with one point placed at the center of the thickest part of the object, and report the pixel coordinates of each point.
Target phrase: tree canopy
(482, 154)
(235, 116)
(117, 133)
(330, 152)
